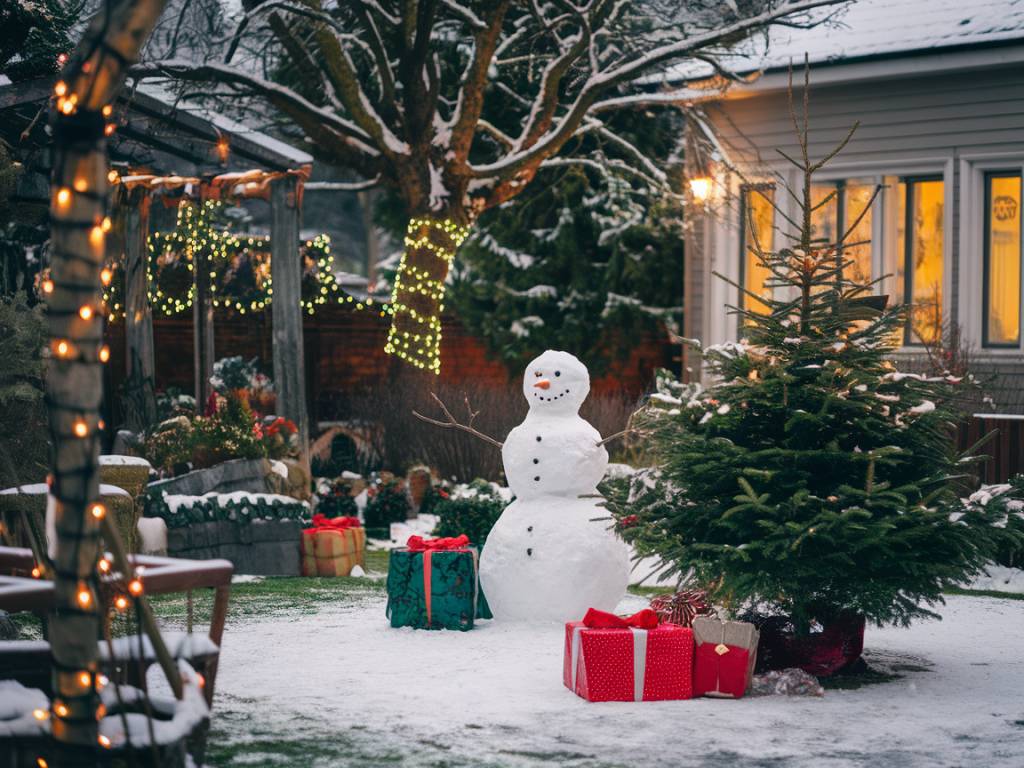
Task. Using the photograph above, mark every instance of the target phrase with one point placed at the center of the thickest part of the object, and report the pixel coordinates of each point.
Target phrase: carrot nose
(543, 384)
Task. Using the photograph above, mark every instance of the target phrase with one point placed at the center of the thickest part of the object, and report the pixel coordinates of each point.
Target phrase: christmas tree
(813, 478)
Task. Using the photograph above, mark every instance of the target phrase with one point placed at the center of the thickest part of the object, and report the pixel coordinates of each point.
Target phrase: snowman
(551, 555)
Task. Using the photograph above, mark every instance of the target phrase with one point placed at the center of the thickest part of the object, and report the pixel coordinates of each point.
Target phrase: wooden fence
(1005, 449)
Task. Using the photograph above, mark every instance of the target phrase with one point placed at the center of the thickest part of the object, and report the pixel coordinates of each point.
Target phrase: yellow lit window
(758, 230)
(919, 238)
(1002, 259)
(849, 200)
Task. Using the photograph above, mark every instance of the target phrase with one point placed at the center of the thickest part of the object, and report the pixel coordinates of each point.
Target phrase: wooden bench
(29, 661)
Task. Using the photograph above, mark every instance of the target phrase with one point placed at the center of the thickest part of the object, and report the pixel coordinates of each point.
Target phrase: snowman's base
(551, 558)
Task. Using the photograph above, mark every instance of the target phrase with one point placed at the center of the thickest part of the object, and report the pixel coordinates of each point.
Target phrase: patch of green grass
(985, 593)
(272, 596)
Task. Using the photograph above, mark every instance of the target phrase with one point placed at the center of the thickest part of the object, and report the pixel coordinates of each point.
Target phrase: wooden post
(286, 275)
(202, 322)
(138, 315)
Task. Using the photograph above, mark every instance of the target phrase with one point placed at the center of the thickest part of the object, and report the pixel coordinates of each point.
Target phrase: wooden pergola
(160, 148)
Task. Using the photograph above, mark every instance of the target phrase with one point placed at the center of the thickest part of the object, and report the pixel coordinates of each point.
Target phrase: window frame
(908, 255)
(986, 255)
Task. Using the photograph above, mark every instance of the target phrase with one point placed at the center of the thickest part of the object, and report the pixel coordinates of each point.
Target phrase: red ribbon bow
(645, 619)
(419, 544)
(323, 523)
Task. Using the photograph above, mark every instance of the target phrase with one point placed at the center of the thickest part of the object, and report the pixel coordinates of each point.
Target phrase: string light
(81, 185)
(47, 285)
(61, 709)
(422, 348)
(85, 679)
(36, 573)
(195, 235)
(81, 429)
(104, 565)
(40, 714)
(121, 603)
(98, 511)
(63, 197)
(84, 596)
(104, 741)
(96, 237)
(62, 348)
(104, 353)
(85, 312)
(135, 587)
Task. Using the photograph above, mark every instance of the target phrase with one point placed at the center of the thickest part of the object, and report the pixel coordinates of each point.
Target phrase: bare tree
(456, 104)
(88, 84)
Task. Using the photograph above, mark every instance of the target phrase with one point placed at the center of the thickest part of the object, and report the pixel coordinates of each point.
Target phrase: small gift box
(333, 547)
(726, 654)
(614, 658)
(434, 584)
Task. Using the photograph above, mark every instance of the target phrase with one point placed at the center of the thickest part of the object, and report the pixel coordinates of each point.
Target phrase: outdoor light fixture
(700, 188)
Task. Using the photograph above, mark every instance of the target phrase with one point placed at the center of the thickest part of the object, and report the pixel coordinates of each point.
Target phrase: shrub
(336, 500)
(387, 504)
(471, 509)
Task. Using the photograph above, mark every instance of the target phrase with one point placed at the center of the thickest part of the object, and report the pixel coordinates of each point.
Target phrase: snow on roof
(226, 124)
(865, 29)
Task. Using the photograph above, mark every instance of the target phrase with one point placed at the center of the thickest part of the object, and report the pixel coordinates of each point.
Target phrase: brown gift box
(328, 552)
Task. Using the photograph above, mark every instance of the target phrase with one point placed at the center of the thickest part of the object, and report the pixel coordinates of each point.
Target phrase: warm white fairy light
(422, 349)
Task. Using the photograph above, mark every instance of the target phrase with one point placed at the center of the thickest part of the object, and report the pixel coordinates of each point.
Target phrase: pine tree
(813, 477)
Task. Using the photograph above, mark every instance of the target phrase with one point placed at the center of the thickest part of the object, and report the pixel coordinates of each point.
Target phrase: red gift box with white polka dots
(606, 664)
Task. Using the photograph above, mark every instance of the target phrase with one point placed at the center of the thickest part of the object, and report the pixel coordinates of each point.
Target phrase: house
(937, 87)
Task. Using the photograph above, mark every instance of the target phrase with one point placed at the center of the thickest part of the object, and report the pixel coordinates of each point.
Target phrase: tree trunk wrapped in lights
(417, 298)
(89, 82)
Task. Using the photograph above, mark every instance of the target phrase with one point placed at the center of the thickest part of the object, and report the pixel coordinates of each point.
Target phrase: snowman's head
(556, 383)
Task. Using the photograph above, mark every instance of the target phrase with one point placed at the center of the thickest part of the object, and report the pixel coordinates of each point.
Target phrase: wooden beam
(202, 327)
(138, 325)
(286, 273)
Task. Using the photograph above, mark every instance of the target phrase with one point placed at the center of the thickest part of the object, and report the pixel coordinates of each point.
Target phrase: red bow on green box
(419, 544)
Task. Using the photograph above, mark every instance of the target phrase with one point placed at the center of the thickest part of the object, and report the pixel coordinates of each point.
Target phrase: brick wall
(345, 354)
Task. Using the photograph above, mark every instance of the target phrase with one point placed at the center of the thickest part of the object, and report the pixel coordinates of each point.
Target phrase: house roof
(154, 133)
(863, 30)
(870, 28)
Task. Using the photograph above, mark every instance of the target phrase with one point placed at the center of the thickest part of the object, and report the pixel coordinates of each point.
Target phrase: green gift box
(435, 589)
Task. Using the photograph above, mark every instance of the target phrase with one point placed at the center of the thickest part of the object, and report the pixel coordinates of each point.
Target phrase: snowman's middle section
(553, 456)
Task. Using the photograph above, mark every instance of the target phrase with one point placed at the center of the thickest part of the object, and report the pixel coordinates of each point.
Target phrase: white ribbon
(639, 658)
(639, 662)
(576, 650)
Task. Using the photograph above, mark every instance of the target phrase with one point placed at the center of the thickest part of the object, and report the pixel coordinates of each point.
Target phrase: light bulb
(85, 312)
(700, 188)
(63, 196)
(81, 429)
(104, 354)
(98, 511)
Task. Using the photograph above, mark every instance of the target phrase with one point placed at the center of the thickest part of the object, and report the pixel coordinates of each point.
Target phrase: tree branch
(453, 423)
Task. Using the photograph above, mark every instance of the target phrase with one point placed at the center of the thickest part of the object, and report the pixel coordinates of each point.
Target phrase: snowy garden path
(340, 687)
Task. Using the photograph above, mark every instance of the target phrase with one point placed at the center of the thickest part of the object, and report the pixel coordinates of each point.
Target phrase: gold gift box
(333, 552)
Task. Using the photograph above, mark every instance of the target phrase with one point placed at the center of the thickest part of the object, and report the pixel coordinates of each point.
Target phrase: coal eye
(538, 374)
(558, 373)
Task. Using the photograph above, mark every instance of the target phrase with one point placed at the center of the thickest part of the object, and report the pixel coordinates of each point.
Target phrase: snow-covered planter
(258, 532)
(239, 507)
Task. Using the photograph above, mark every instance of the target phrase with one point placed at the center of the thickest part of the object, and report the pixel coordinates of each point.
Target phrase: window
(758, 217)
(919, 245)
(849, 200)
(1002, 259)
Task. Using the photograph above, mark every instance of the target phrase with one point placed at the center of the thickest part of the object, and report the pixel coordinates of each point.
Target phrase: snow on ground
(347, 690)
(999, 578)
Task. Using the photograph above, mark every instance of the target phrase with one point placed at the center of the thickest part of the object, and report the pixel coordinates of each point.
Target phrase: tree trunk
(417, 297)
(90, 82)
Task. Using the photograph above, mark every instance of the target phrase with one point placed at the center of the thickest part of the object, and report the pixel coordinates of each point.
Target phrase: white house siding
(953, 123)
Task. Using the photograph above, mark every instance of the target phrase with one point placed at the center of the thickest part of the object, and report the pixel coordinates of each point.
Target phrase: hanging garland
(240, 274)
